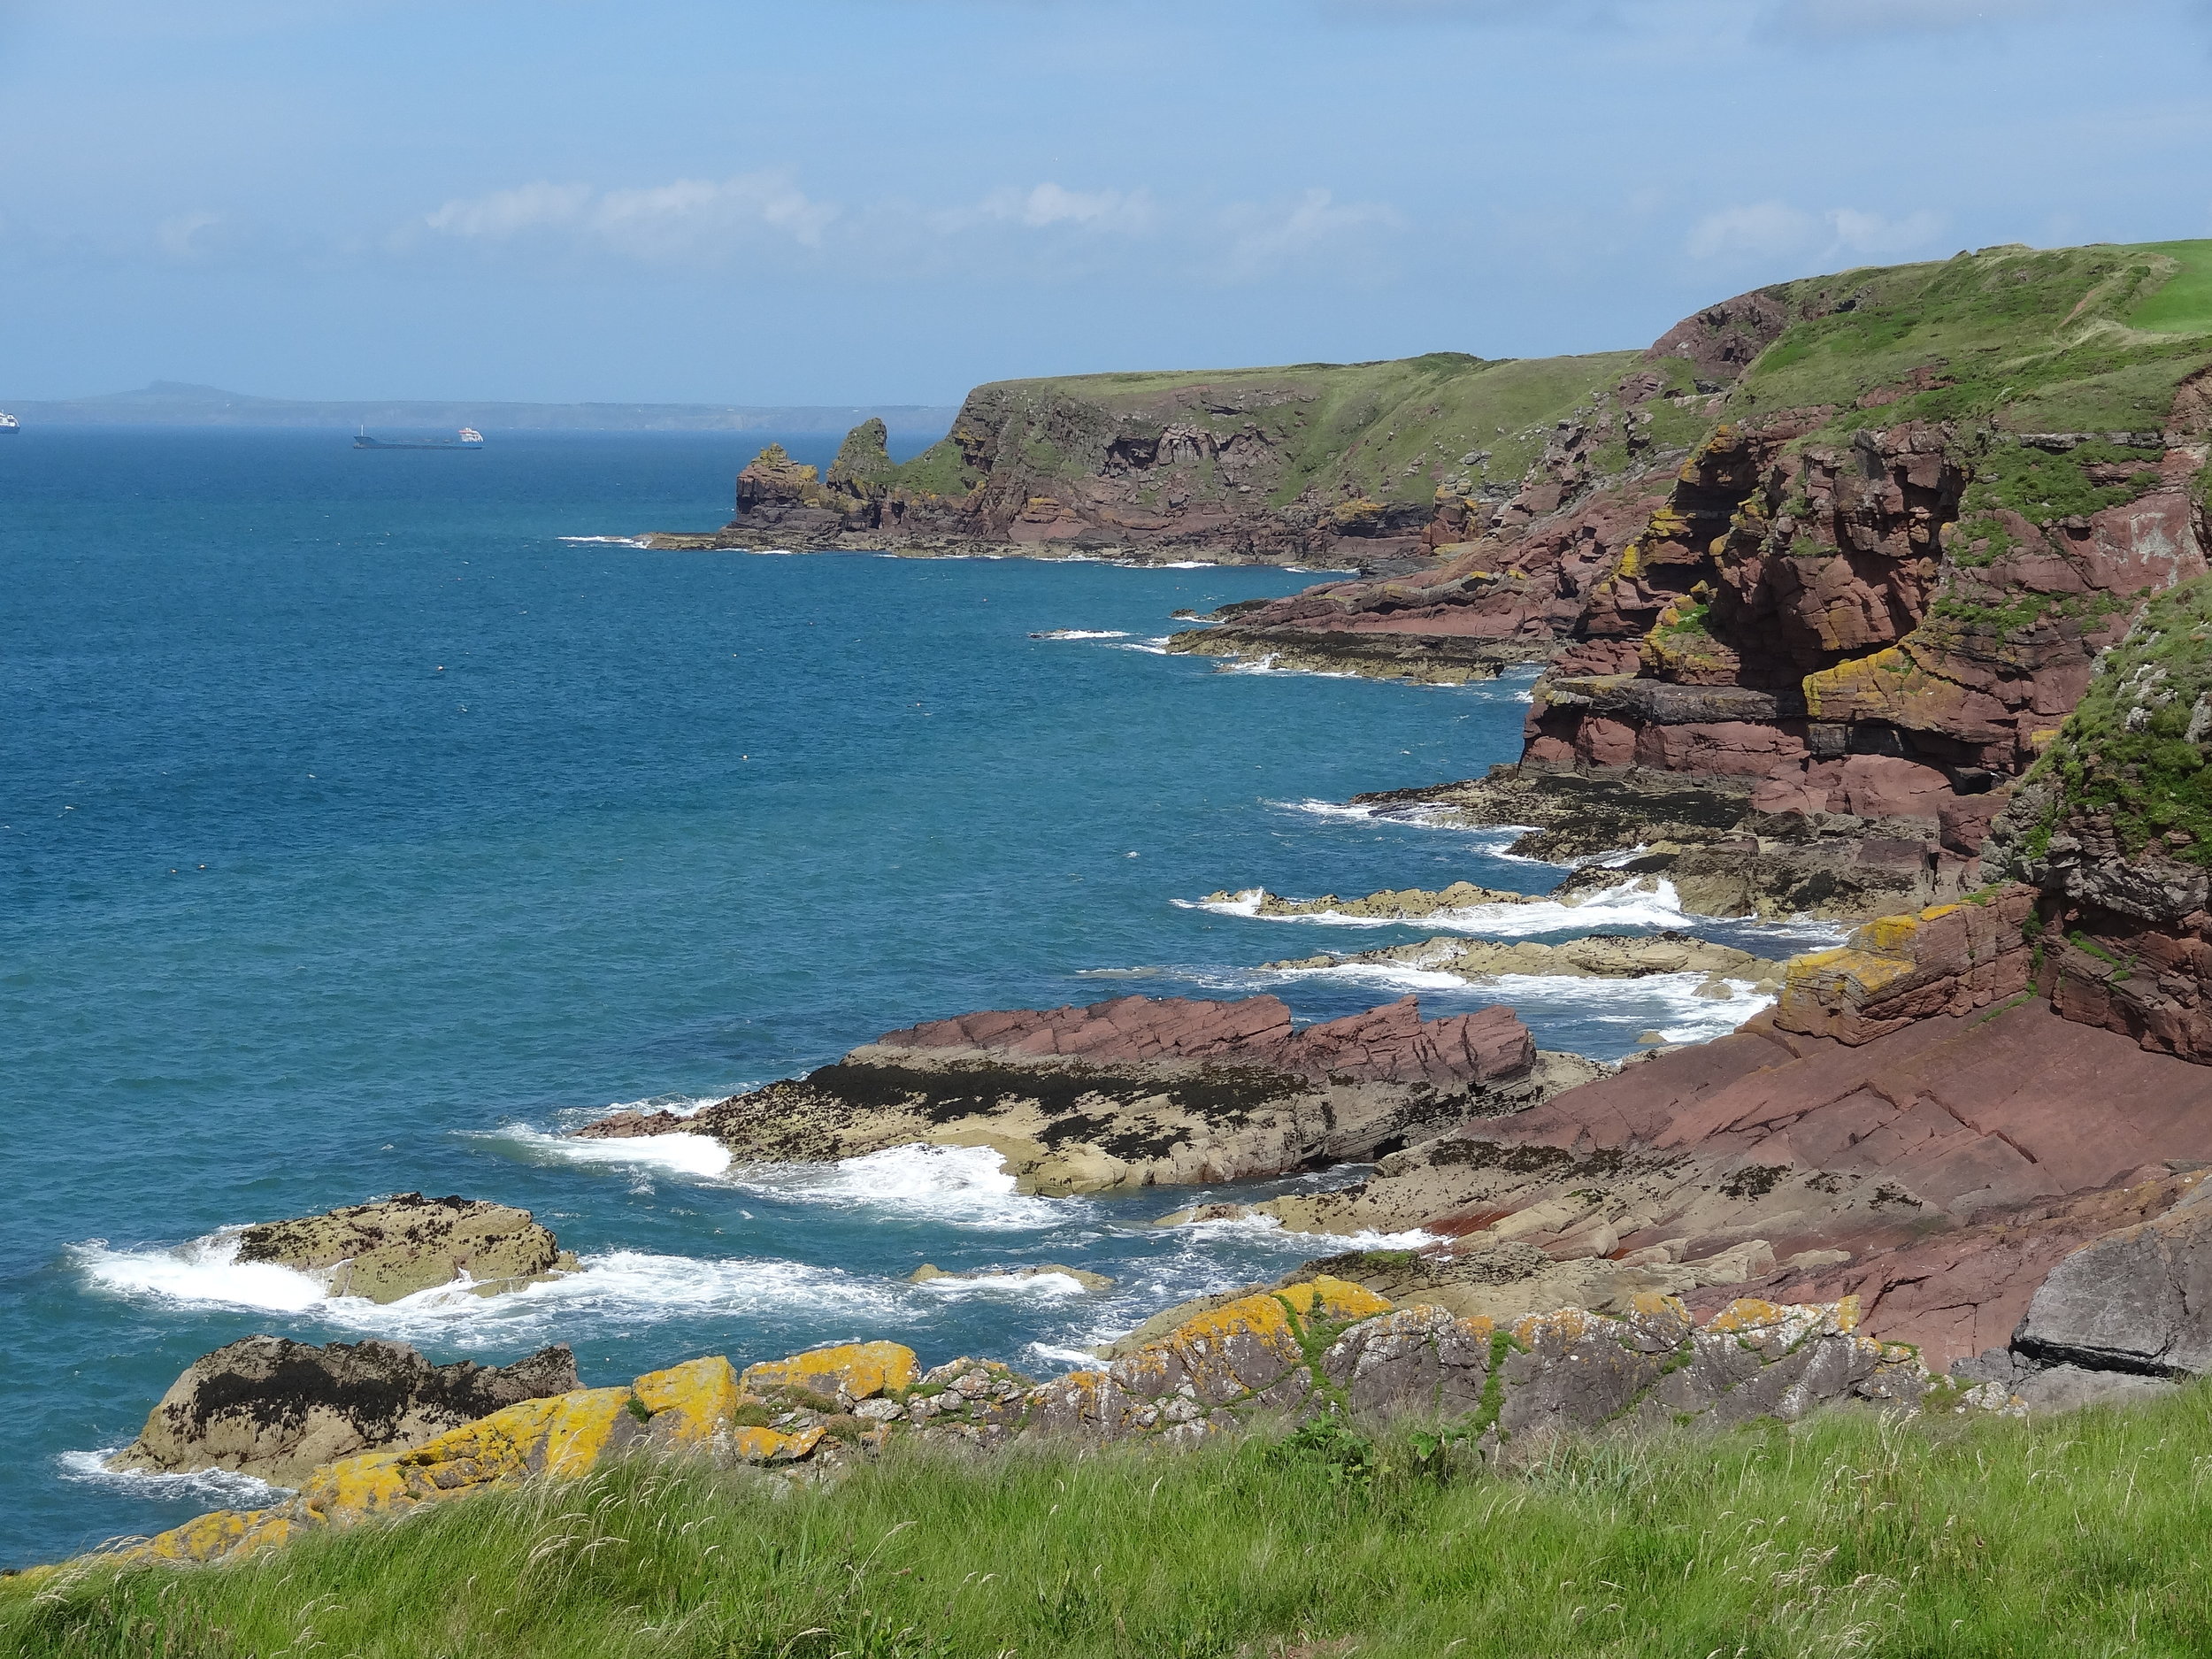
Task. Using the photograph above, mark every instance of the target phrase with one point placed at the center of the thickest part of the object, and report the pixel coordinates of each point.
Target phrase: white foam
(1054, 1286)
(678, 1154)
(1082, 633)
(1666, 1003)
(1396, 976)
(1081, 1358)
(1260, 1226)
(205, 1273)
(1151, 647)
(1657, 905)
(1184, 565)
(625, 1286)
(612, 541)
(217, 1488)
(959, 1186)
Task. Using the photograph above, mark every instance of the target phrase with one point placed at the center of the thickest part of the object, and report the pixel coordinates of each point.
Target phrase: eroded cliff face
(1375, 464)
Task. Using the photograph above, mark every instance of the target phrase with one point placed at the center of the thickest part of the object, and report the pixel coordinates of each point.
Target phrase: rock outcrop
(1319, 1347)
(1139, 1091)
(400, 1245)
(930, 1273)
(1352, 464)
(277, 1409)
(1598, 956)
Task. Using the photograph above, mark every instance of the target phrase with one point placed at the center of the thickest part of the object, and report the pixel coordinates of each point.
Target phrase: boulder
(930, 1273)
(2138, 1300)
(397, 1246)
(277, 1409)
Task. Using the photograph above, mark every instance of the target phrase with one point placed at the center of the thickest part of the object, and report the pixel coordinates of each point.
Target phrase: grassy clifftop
(1387, 432)
(2061, 340)
(1845, 1535)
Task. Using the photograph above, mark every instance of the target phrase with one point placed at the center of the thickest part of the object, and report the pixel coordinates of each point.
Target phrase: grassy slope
(1846, 1536)
(2184, 306)
(2034, 341)
(1385, 431)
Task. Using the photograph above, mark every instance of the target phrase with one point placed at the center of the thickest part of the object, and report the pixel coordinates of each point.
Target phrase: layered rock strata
(1314, 1348)
(397, 1246)
(277, 1409)
(1141, 1091)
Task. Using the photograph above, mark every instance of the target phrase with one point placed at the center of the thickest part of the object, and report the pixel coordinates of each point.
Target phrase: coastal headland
(1879, 599)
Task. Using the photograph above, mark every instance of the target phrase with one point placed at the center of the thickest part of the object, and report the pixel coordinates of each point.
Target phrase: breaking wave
(1657, 906)
(217, 1488)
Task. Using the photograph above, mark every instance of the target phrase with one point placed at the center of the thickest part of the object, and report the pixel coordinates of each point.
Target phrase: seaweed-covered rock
(397, 1246)
(277, 1408)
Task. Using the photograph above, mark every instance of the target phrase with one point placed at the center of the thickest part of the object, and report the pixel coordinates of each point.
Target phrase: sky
(889, 201)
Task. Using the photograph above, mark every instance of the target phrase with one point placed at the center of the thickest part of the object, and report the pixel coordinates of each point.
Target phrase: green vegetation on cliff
(1387, 432)
(1848, 1535)
(2059, 340)
(2136, 754)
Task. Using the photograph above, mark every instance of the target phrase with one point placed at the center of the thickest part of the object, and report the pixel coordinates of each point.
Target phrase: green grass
(2149, 780)
(2183, 305)
(1846, 1536)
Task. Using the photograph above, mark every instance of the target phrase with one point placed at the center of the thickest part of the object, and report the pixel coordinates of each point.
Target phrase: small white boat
(9, 423)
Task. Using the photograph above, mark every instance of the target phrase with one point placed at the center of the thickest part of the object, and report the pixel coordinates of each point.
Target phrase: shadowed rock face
(1142, 1090)
(277, 1408)
(397, 1246)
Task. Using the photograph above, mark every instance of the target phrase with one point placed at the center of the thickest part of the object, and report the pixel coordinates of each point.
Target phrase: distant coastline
(174, 404)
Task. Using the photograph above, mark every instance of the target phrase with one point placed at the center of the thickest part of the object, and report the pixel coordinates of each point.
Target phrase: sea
(367, 819)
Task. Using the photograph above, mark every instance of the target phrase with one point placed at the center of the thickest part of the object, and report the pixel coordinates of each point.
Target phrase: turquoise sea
(361, 827)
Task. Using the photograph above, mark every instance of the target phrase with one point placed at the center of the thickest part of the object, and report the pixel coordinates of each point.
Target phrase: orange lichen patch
(354, 1488)
(580, 1429)
(1562, 1325)
(702, 1394)
(773, 1445)
(1656, 1304)
(851, 1370)
(1333, 1300)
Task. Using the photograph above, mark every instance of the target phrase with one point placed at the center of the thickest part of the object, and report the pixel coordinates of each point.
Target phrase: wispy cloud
(687, 218)
(1768, 230)
(1260, 238)
(186, 236)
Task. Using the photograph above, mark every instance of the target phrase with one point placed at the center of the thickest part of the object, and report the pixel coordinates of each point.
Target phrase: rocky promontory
(1141, 1091)
(397, 1246)
(279, 1409)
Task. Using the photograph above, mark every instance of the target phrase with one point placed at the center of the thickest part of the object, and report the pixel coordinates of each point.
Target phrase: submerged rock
(1141, 1091)
(277, 1409)
(397, 1246)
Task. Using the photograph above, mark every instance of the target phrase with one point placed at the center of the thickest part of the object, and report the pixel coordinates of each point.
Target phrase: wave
(1267, 1227)
(217, 1488)
(1668, 1004)
(612, 541)
(1082, 633)
(1156, 647)
(625, 1286)
(957, 1186)
(676, 1154)
(1051, 1287)
(1657, 906)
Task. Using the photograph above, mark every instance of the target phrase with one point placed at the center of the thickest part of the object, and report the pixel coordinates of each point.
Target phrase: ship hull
(380, 443)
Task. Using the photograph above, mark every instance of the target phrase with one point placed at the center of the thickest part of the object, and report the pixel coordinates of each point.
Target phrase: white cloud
(689, 218)
(1047, 206)
(1766, 231)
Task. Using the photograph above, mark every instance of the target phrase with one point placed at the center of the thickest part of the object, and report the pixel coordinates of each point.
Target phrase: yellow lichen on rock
(1844, 973)
(773, 1445)
(850, 1371)
(226, 1534)
(700, 1396)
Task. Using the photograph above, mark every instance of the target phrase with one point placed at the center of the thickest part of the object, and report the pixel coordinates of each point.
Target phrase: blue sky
(890, 200)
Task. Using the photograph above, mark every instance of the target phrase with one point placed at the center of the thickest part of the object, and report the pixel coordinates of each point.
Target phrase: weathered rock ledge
(1141, 1091)
(278, 1409)
(1598, 956)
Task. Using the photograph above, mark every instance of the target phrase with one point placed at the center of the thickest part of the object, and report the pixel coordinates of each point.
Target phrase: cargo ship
(467, 438)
